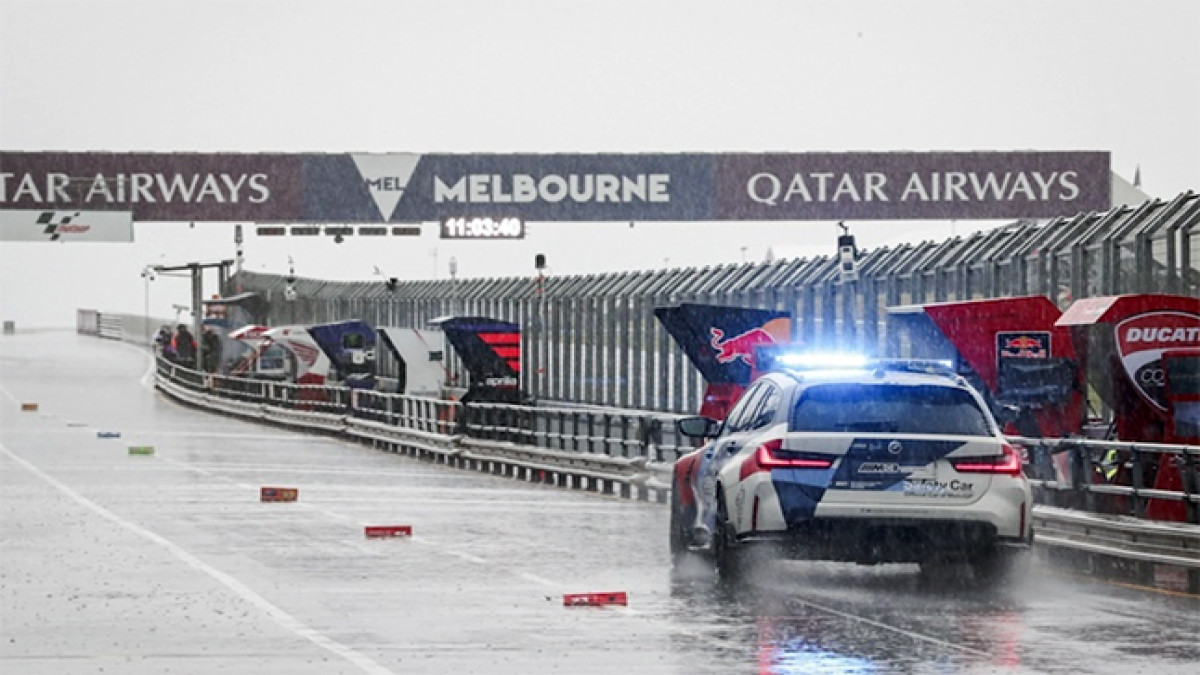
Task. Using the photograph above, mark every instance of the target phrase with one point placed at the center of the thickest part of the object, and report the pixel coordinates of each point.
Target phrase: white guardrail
(629, 477)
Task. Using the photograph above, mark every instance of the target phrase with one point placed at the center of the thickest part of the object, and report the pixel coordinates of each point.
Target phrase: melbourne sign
(399, 187)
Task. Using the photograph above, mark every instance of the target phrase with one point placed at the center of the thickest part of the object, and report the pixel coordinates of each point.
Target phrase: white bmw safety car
(871, 462)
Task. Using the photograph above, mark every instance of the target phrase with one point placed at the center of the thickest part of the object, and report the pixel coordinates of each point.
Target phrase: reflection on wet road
(816, 617)
(170, 562)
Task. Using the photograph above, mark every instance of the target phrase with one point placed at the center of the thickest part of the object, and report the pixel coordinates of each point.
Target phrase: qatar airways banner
(406, 188)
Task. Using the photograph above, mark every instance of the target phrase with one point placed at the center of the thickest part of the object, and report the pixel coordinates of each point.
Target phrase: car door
(750, 431)
(738, 425)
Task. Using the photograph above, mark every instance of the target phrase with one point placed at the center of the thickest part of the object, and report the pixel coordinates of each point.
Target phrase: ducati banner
(1141, 341)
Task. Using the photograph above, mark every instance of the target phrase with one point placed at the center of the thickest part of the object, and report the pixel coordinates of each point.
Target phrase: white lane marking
(542, 581)
(9, 394)
(894, 629)
(147, 379)
(297, 439)
(333, 515)
(233, 467)
(206, 472)
(283, 437)
(537, 580)
(280, 617)
(329, 514)
(432, 544)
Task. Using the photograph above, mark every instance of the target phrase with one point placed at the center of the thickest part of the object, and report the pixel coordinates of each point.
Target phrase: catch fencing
(594, 339)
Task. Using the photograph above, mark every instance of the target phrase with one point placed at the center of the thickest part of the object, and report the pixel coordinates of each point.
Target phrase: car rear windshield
(889, 409)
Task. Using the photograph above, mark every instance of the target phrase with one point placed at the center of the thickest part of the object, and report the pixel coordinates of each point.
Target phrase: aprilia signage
(1141, 341)
(406, 187)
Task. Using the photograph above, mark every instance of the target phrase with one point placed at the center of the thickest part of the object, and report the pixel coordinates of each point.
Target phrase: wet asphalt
(170, 563)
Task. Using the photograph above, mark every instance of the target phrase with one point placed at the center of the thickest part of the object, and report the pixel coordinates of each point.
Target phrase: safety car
(848, 460)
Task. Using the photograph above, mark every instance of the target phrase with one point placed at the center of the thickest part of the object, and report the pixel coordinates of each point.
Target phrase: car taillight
(1008, 463)
(771, 455)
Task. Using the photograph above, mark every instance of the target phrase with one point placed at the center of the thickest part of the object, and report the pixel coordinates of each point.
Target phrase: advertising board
(411, 188)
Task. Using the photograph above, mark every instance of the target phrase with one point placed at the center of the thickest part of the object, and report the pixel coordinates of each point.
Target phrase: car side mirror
(698, 427)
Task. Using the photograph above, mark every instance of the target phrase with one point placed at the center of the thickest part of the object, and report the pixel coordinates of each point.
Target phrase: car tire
(1001, 564)
(730, 557)
(680, 526)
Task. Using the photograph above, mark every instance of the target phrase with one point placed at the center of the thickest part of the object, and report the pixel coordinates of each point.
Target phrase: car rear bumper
(777, 506)
(879, 540)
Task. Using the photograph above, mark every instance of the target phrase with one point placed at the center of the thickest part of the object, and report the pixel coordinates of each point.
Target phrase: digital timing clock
(483, 228)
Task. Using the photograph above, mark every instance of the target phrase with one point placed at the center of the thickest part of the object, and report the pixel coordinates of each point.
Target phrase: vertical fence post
(1138, 479)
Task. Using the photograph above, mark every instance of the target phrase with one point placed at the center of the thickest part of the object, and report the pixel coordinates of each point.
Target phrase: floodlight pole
(198, 313)
(147, 277)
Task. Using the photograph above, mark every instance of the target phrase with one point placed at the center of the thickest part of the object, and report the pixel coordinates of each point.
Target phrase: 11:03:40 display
(483, 228)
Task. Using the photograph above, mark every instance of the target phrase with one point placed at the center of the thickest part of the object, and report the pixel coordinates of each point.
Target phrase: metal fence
(594, 339)
(1070, 473)
(1064, 472)
(626, 434)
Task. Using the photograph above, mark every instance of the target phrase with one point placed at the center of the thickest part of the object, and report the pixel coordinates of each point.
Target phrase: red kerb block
(278, 494)
(376, 531)
(595, 599)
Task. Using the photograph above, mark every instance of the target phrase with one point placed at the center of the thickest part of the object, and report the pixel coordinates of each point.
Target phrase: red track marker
(595, 599)
(378, 531)
(278, 494)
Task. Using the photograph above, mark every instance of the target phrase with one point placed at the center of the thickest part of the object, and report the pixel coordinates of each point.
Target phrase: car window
(742, 414)
(764, 410)
(885, 408)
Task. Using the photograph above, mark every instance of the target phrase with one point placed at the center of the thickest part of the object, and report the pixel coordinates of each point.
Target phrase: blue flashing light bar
(822, 360)
(851, 361)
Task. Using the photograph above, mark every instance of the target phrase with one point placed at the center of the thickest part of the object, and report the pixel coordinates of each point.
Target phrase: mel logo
(386, 177)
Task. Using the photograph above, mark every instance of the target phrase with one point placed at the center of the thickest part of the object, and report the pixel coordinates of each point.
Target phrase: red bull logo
(1023, 342)
(739, 346)
(1024, 345)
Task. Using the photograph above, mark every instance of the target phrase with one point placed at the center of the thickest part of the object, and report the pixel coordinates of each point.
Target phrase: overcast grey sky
(570, 76)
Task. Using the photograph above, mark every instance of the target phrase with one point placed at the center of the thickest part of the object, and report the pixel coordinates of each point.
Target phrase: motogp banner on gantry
(405, 187)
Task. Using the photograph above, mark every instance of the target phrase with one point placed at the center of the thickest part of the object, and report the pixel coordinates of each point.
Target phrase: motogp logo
(59, 223)
(1141, 341)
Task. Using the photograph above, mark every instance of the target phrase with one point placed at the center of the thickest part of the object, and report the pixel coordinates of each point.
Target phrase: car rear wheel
(730, 556)
(999, 564)
(681, 522)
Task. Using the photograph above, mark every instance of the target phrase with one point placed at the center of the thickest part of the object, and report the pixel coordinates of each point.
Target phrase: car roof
(805, 378)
